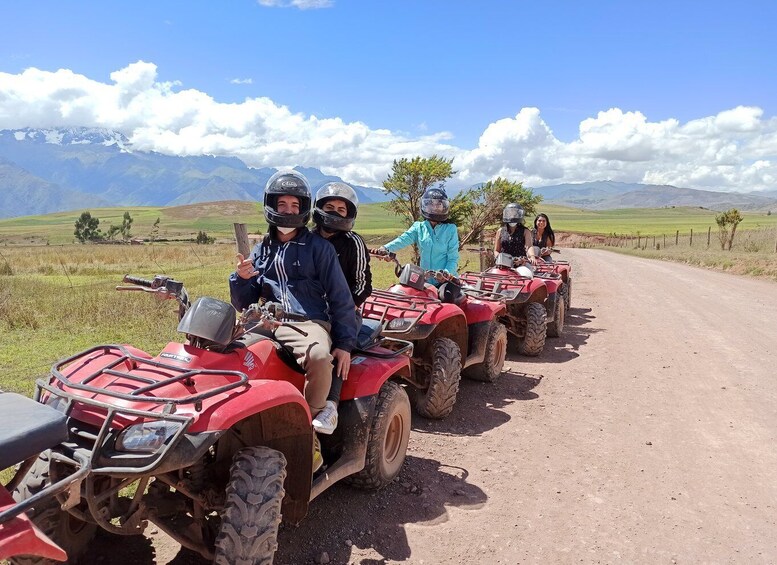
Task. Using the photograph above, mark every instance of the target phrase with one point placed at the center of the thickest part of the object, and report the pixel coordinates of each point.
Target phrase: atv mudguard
(19, 536)
(368, 374)
(481, 310)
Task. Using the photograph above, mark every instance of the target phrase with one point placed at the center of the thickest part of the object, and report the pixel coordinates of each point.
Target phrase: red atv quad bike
(211, 440)
(453, 329)
(564, 270)
(526, 296)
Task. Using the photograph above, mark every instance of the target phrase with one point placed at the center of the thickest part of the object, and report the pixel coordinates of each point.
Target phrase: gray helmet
(330, 220)
(513, 213)
(291, 183)
(435, 205)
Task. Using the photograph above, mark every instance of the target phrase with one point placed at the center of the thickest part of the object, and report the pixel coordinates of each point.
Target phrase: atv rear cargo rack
(378, 304)
(496, 281)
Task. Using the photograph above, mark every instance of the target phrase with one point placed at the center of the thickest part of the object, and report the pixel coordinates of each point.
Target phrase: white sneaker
(325, 421)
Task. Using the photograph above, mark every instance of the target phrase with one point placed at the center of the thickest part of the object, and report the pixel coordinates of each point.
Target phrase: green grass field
(373, 222)
(57, 298)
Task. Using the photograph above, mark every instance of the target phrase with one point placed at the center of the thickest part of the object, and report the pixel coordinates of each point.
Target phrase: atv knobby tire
(556, 327)
(536, 321)
(438, 399)
(252, 513)
(70, 533)
(496, 349)
(387, 443)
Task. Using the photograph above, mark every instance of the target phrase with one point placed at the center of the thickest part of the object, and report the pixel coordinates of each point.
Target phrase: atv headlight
(398, 324)
(147, 436)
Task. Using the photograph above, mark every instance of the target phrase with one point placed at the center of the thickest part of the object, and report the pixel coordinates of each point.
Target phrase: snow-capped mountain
(101, 168)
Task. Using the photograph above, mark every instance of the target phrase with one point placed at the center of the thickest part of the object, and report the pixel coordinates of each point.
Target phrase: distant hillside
(610, 195)
(71, 168)
(22, 193)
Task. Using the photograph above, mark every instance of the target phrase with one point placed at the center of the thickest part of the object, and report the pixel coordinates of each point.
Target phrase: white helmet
(525, 272)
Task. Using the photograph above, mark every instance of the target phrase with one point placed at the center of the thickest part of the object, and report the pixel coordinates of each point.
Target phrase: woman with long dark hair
(543, 236)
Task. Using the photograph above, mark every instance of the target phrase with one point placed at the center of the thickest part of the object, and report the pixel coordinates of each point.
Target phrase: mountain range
(608, 195)
(43, 171)
(59, 169)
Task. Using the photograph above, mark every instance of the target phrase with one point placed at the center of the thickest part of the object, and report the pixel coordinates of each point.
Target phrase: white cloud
(735, 149)
(301, 4)
(242, 81)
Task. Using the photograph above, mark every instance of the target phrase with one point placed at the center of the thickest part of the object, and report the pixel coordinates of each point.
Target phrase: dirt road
(646, 434)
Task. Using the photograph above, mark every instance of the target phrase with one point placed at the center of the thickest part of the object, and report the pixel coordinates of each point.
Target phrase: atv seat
(256, 335)
(27, 428)
(369, 333)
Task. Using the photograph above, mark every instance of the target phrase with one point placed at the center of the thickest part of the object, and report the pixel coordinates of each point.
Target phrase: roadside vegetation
(58, 297)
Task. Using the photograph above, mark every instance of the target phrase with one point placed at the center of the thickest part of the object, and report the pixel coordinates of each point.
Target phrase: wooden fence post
(639, 241)
(241, 239)
(677, 237)
(709, 231)
(654, 242)
(691, 244)
(664, 241)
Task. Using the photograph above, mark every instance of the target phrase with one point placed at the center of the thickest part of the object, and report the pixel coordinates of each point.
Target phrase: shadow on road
(376, 520)
(561, 349)
(479, 405)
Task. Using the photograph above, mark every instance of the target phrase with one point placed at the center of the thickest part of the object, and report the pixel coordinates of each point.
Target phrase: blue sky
(435, 74)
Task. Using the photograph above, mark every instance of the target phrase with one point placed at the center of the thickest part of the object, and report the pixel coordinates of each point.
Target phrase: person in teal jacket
(437, 240)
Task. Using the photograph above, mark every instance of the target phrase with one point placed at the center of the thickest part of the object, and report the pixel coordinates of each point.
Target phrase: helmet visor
(512, 214)
(436, 206)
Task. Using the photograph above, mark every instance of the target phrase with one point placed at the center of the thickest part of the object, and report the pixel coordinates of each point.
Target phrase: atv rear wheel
(496, 350)
(67, 531)
(387, 443)
(556, 327)
(536, 321)
(438, 399)
(252, 513)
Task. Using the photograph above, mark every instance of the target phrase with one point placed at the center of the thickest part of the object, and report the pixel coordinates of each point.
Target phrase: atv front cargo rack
(142, 394)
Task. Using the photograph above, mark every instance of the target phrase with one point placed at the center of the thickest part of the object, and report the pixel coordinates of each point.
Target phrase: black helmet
(435, 205)
(291, 183)
(330, 220)
(513, 213)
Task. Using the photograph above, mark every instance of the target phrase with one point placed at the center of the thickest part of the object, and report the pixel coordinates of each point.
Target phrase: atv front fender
(243, 403)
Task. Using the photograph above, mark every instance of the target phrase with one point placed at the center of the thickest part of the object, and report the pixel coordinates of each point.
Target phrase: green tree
(154, 233)
(407, 183)
(727, 227)
(204, 239)
(126, 226)
(477, 208)
(112, 232)
(87, 228)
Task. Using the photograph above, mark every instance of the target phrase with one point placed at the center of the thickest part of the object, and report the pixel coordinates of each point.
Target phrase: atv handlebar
(138, 281)
(269, 315)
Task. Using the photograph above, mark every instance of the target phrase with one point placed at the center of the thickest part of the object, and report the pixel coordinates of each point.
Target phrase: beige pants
(313, 353)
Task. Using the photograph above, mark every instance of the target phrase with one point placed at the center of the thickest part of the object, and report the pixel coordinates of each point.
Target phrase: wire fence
(762, 240)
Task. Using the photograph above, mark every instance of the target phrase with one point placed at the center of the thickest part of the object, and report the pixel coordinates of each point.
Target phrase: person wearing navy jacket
(300, 270)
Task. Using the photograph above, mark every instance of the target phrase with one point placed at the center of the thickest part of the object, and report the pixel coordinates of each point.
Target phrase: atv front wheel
(387, 444)
(536, 321)
(496, 350)
(438, 399)
(67, 531)
(252, 513)
(556, 327)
